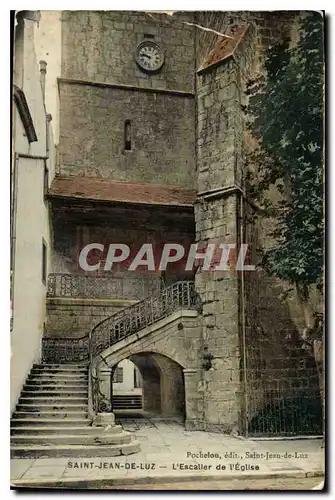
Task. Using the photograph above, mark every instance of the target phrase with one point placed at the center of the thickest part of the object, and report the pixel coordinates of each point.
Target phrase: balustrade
(100, 287)
(180, 295)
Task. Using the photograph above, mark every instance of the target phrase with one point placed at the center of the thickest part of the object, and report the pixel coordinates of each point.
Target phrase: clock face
(149, 56)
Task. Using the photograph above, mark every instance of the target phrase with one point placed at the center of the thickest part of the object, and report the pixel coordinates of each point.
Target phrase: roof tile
(224, 48)
(102, 189)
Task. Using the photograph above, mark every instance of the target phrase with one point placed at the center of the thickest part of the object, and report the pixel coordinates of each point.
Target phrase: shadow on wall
(161, 391)
(163, 384)
(283, 395)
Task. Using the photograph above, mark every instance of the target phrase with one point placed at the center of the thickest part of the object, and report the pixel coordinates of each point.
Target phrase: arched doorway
(126, 388)
(162, 384)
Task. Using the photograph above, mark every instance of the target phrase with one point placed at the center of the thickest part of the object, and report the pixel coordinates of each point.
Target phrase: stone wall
(92, 122)
(280, 373)
(71, 238)
(74, 318)
(247, 328)
(99, 46)
(220, 156)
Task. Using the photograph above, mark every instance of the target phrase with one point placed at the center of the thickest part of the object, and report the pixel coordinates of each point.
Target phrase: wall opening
(126, 388)
(152, 385)
(127, 136)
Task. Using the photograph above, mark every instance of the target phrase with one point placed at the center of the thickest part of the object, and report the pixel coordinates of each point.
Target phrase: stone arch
(162, 379)
(177, 337)
(163, 383)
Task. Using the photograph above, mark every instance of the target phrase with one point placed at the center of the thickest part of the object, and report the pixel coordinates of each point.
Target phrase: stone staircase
(118, 326)
(51, 418)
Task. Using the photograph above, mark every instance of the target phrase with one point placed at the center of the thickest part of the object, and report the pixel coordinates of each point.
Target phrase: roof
(224, 48)
(101, 189)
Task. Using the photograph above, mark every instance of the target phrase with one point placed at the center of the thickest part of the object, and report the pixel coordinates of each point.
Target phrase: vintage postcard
(167, 250)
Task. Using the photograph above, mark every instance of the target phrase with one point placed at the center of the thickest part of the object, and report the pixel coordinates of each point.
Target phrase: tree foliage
(287, 111)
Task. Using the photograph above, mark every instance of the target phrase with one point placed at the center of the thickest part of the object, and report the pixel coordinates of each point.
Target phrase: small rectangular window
(127, 135)
(118, 375)
(44, 262)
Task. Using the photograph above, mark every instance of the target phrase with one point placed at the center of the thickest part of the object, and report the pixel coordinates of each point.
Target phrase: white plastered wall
(31, 215)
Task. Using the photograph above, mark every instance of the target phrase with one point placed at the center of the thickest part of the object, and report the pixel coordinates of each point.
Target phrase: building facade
(32, 170)
(152, 149)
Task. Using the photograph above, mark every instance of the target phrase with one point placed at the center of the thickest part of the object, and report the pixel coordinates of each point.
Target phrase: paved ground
(232, 484)
(171, 454)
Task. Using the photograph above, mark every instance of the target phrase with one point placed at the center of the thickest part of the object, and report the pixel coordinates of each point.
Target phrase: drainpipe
(244, 350)
(43, 72)
(48, 117)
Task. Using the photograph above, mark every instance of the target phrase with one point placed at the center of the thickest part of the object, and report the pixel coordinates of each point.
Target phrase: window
(118, 375)
(44, 262)
(127, 135)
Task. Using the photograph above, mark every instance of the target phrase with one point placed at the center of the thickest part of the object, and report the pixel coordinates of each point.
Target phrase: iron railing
(138, 316)
(282, 388)
(88, 286)
(65, 349)
(180, 295)
(118, 326)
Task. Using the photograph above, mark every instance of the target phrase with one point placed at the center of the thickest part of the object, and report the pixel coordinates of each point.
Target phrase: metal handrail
(180, 295)
(142, 314)
(100, 286)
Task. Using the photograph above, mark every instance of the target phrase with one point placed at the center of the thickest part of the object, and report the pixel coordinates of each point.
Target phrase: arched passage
(163, 390)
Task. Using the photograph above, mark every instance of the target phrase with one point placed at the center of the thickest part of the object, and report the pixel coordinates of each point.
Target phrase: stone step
(71, 439)
(54, 393)
(49, 422)
(127, 407)
(70, 366)
(51, 406)
(127, 402)
(75, 450)
(57, 376)
(55, 382)
(127, 398)
(57, 429)
(52, 400)
(55, 387)
(58, 373)
(50, 414)
(60, 368)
